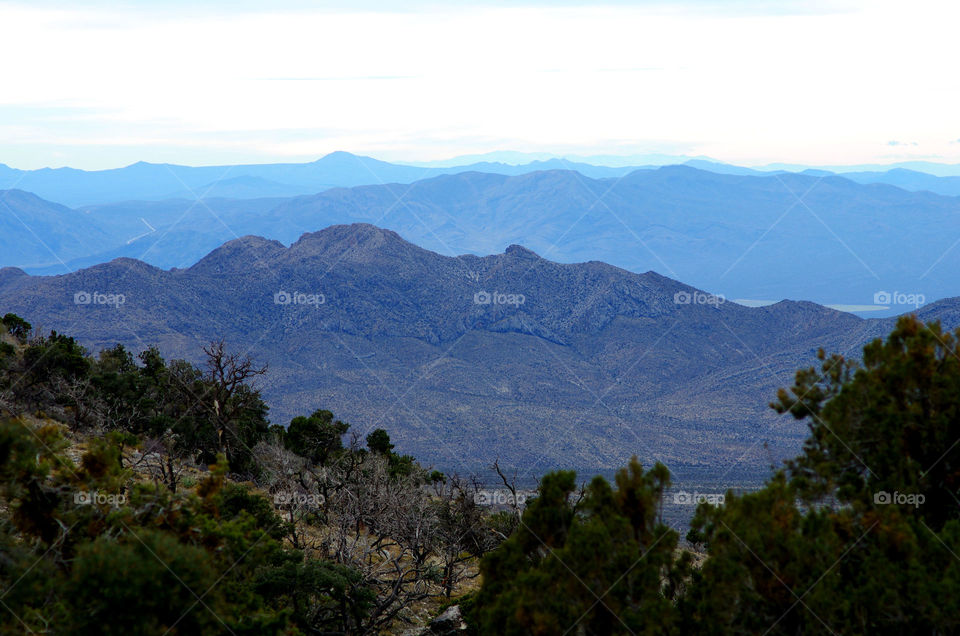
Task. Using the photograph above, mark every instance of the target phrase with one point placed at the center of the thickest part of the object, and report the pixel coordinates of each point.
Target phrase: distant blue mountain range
(756, 238)
(155, 182)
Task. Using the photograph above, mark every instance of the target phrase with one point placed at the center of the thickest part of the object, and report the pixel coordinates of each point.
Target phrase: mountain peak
(518, 251)
(338, 153)
(143, 165)
(355, 242)
(8, 274)
(237, 253)
(132, 263)
(353, 232)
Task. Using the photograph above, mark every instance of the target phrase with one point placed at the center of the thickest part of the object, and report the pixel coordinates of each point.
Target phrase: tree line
(331, 533)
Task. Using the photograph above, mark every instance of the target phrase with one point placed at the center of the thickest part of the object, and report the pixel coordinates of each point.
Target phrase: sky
(819, 83)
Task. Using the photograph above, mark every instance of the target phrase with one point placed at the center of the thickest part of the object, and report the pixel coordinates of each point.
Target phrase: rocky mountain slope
(472, 358)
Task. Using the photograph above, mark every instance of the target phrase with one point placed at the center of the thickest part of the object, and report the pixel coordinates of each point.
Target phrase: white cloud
(822, 87)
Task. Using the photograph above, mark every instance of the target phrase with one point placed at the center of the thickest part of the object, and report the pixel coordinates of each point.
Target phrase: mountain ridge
(502, 355)
(824, 238)
(149, 181)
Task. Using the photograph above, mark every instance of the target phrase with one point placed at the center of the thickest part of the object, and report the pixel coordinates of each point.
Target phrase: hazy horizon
(828, 83)
(519, 158)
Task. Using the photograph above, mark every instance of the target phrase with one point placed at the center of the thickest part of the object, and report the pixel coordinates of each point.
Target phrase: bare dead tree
(288, 479)
(227, 373)
(462, 532)
(85, 409)
(409, 538)
(385, 528)
(164, 460)
(511, 485)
